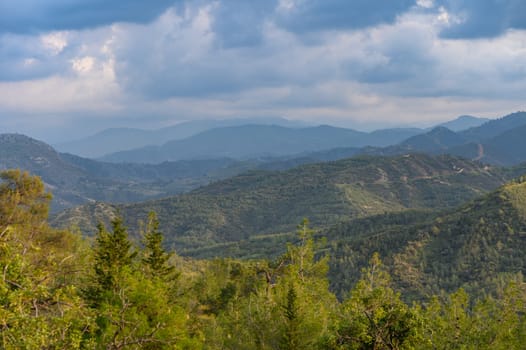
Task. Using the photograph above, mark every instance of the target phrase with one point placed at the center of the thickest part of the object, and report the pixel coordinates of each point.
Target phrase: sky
(71, 68)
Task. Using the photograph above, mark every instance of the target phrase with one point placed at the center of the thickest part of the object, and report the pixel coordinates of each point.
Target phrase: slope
(495, 127)
(251, 141)
(74, 180)
(120, 139)
(505, 149)
(471, 247)
(261, 202)
(435, 141)
(464, 122)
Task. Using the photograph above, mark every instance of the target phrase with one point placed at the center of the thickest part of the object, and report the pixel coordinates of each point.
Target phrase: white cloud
(178, 67)
(425, 3)
(83, 65)
(54, 42)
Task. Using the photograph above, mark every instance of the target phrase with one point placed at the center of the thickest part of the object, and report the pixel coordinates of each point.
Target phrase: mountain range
(120, 139)
(439, 221)
(269, 202)
(253, 141)
(257, 141)
(464, 122)
(498, 142)
(263, 135)
(75, 180)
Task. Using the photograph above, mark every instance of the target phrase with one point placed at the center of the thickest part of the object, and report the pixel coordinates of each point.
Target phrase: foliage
(58, 291)
(155, 258)
(261, 203)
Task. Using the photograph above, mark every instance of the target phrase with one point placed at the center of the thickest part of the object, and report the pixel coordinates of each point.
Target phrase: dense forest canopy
(59, 290)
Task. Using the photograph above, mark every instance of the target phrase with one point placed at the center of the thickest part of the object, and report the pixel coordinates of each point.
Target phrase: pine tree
(291, 334)
(155, 257)
(112, 253)
(374, 317)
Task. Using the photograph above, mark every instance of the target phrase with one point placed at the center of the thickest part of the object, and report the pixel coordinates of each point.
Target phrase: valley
(263, 175)
(425, 222)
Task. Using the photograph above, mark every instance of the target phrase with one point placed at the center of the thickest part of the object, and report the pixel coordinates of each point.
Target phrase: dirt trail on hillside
(480, 152)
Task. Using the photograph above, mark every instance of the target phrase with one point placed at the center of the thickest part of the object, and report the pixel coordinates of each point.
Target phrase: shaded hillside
(435, 141)
(495, 127)
(120, 139)
(69, 184)
(468, 247)
(497, 142)
(166, 171)
(464, 122)
(508, 148)
(271, 202)
(251, 141)
(75, 181)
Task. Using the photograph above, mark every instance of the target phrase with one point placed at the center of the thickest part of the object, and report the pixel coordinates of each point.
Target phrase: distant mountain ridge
(436, 140)
(252, 141)
(464, 122)
(116, 140)
(75, 180)
(495, 127)
(121, 139)
(499, 142)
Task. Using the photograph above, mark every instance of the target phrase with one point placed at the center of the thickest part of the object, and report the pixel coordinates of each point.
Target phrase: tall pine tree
(155, 258)
(112, 253)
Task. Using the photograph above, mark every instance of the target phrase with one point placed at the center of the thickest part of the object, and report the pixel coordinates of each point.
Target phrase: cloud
(181, 55)
(303, 59)
(241, 23)
(484, 18)
(305, 16)
(28, 57)
(35, 16)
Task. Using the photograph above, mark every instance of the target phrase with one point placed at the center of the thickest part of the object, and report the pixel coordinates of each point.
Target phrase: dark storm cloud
(23, 58)
(484, 18)
(315, 15)
(239, 23)
(32, 16)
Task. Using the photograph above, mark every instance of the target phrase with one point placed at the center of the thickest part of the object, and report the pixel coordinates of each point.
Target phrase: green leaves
(56, 292)
(374, 316)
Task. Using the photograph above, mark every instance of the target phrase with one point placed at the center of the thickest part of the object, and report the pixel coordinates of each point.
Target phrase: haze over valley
(268, 174)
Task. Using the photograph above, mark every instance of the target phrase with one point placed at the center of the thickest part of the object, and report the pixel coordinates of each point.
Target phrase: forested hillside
(257, 203)
(75, 180)
(60, 291)
(498, 142)
(467, 247)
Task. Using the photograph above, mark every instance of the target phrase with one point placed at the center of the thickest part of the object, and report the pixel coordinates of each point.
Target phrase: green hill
(264, 202)
(75, 180)
(467, 247)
